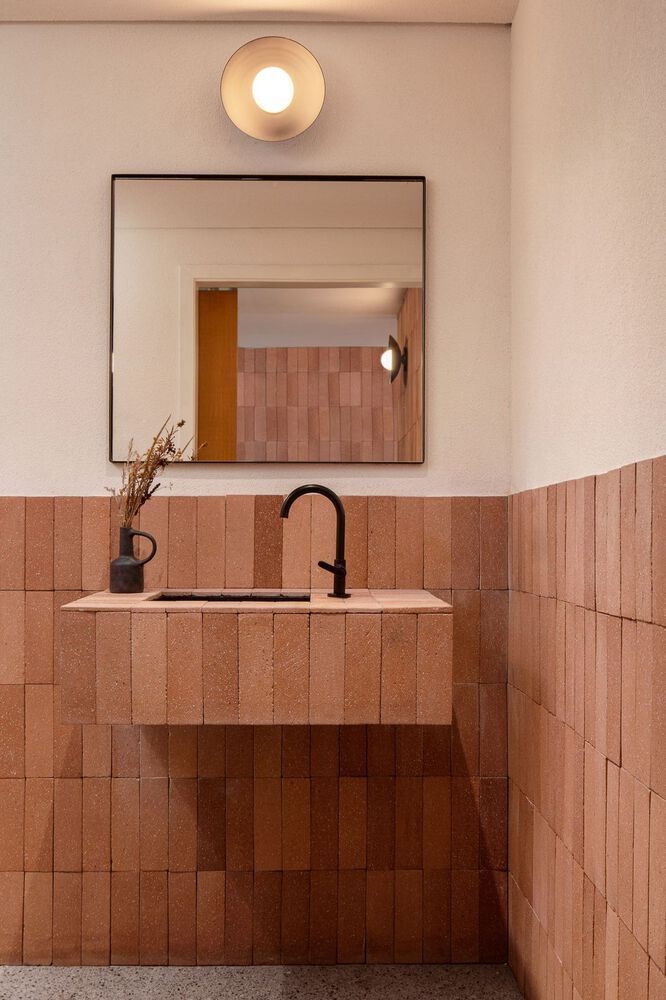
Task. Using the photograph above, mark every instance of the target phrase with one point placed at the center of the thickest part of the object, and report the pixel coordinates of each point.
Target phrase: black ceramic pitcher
(127, 570)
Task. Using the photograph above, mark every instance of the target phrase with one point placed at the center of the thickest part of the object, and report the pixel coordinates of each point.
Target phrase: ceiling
(423, 11)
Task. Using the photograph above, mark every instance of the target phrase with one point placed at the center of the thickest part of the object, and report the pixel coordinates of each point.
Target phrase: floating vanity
(216, 657)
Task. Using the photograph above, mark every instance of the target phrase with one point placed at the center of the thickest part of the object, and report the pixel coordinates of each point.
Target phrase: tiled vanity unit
(381, 656)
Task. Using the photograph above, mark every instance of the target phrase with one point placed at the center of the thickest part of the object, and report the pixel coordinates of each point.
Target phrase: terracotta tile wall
(587, 737)
(314, 404)
(408, 388)
(212, 844)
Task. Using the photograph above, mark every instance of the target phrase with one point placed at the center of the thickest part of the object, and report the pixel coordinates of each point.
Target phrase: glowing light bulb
(273, 89)
(387, 359)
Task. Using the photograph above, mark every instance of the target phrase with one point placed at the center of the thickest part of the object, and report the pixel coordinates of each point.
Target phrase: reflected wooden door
(217, 359)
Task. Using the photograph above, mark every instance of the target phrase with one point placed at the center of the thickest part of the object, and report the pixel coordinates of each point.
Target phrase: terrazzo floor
(425, 982)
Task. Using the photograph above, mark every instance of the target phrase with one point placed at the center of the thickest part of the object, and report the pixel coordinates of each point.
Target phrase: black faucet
(339, 568)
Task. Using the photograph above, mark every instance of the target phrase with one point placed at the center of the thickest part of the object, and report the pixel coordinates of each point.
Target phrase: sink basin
(262, 597)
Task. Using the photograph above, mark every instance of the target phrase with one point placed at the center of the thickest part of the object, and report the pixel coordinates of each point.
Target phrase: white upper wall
(79, 102)
(588, 237)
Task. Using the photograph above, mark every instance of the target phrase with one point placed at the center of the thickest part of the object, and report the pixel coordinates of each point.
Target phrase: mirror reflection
(281, 319)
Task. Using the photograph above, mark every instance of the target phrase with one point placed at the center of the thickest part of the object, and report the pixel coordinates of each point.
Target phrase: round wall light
(393, 359)
(272, 88)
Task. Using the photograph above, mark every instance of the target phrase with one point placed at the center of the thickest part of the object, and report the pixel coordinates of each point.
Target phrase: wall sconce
(272, 88)
(393, 359)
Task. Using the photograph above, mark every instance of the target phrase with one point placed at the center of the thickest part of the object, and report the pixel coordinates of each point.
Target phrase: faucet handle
(338, 570)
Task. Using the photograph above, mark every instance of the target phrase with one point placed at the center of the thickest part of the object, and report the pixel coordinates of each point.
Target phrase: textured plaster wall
(588, 105)
(78, 102)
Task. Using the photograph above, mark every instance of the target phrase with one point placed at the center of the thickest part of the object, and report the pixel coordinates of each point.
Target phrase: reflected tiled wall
(587, 737)
(237, 844)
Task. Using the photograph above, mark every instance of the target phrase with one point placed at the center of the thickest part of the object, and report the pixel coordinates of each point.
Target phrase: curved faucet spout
(339, 569)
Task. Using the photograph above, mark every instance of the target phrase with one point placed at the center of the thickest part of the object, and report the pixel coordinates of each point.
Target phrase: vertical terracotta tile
(645, 673)
(38, 645)
(184, 669)
(295, 824)
(238, 917)
(153, 918)
(323, 917)
(493, 823)
(67, 824)
(465, 729)
(434, 669)
(436, 916)
(643, 540)
(493, 628)
(398, 685)
(12, 532)
(182, 824)
(641, 861)
(239, 824)
(13, 730)
(96, 824)
(625, 883)
(38, 918)
(657, 882)
(182, 559)
(12, 819)
(362, 668)
(154, 823)
(11, 928)
(657, 983)
(324, 823)
(465, 552)
(353, 751)
(12, 629)
(239, 541)
(633, 967)
(381, 821)
(95, 532)
(125, 752)
(154, 519)
(211, 751)
(291, 668)
(67, 743)
(493, 916)
(437, 543)
(96, 742)
(436, 823)
(351, 917)
(154, 751)
(255, 668)
(464, 916)
(628, 540)
(356, 509)
(114, 667)
(658, 718)
(182, 918)
(493, 730)
(148, 669)
(240, 752)
(39, 543)
(211, 824)
(465, 822)
(67, 918)
(220, 668)
(211, 541)
(295, 751)
(409, 741)
(612, 832)
(78, 666)
(38, 845)
(267, 912)
(408, 823)
(352, 828)
(466, 635)
(125, 842)
(67, 529)
(95, 918)
(380, 916)
(267, 542)
(327, 668)
(296, 545)
(381, 542)
(571, 545)
(295, 917)
(493, 517)
(267, 824)
(409, 542)
(613, 571)
(210, 917)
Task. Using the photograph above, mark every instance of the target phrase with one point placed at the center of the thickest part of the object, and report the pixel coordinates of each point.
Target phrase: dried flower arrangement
(139, 471)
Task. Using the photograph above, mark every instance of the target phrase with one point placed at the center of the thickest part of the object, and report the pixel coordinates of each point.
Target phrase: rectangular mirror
(280, 317)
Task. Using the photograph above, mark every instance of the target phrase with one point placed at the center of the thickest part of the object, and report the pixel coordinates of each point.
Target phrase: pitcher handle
(144, 534)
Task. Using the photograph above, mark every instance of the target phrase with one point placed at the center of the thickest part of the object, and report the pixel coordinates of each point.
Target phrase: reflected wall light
(272, 88)
(393, 359)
